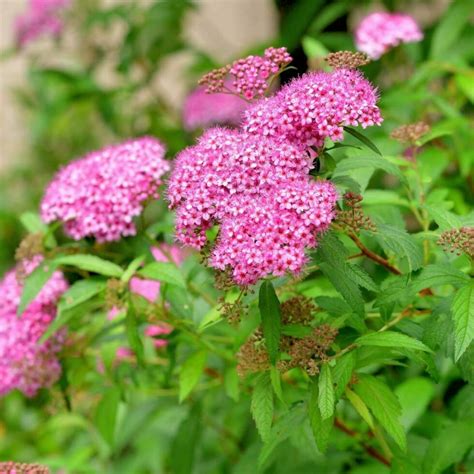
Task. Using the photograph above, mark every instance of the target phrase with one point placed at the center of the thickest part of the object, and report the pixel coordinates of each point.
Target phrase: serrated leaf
(270, 314)
(446, 220)
(348, 165)
(275, 378)
(191, 372)
(164, 272)
(400, 243)
(361, 277)
(342, 372)
(78, 293)
(345, 286)
(34, 283)
(321, 428)
(335, 306)
(462, 311)
(90, 263)
(448, 447)
(438, 275)
(360, 407)
(363, 139)
(326, 392)
(261, 405)
(383, 404)
(391, 339)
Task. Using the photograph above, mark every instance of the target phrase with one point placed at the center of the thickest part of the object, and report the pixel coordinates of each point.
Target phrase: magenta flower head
(204, 110)
(249, 77)
(259, 192)
(379, 32)
(100, 194)
(315, 107)
(43, 17)
(25, 364)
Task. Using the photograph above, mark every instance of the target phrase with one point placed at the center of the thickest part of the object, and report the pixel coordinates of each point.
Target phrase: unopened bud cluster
(347, 59)
(353, 217)
(410, 133)
(458, 241)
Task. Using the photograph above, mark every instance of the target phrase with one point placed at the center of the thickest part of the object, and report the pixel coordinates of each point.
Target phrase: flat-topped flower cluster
(254, 182)
(25, 364)
(100, 194)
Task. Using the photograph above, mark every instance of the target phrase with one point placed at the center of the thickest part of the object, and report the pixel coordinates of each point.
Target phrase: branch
(373, 256)
(368, 449)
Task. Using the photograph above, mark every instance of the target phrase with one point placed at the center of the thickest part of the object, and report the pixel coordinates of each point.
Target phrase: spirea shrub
(288, 291)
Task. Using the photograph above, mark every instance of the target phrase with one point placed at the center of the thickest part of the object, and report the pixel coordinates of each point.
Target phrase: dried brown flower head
(410, 133)
(347, 59)
(29, 247)
(458, 241)
(298, 310)
(114, 293)
(252, 356)
(353, 218)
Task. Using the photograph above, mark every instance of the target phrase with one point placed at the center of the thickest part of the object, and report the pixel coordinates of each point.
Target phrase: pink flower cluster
(203, 110)
(379, 32)
(42, 17)
(249, 76)
(314, 107)
(100, 194)
(25, 364)
(258, 189)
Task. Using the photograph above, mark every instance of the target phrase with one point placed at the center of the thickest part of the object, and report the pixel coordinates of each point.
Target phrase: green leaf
(163, 271)
(191, 372)
(462, 311)
(363, 139)
(321, 428)
(183, 449)
(34, 282)
(391, 339)
(33, 224)
(276, 383)
(342, 372)
(231, 383)
(261, 406)
(360, 407)
(270, 314)
(450, 28)
(348, 165)
(91, 263)
(132, 268)
(131, 329)
(400, 243)
(326, 392)
(438, 275)
(361, 277)
(313, 48)
(80, 292)
(448, 447)
(344, 285)
(383, 404)
(106, 415)
(414, 395)
(446, 220)
(282, 429)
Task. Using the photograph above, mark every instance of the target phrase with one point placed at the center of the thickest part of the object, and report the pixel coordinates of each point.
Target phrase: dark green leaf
(106, 415)
(363, 139)
(131, 329)
(438, 275)
(321, 428)
(34, 282)
(191, 372)
(326, 392)
(383, 404)
(261, 406)
(463, 317)
(391, 339)
(270, 314)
